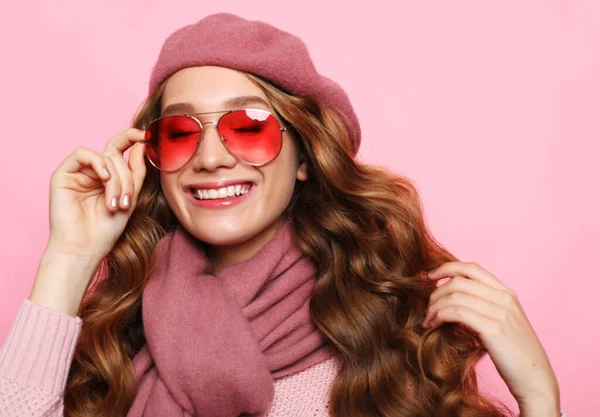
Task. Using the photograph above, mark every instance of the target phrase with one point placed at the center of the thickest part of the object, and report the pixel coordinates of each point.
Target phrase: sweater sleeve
(35, 361)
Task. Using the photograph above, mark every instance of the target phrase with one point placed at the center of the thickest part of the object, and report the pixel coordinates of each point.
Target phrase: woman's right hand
(84, 223)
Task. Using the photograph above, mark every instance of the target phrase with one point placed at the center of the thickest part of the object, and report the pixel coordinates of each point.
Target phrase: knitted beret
(227, 40)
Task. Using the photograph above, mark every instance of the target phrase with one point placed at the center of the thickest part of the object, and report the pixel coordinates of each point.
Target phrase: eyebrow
(235, 102)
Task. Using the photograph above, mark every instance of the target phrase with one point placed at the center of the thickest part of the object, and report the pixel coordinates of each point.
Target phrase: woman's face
(252, 219)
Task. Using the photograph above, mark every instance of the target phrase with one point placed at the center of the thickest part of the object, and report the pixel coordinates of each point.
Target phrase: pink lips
(218, 184)
(219, 203)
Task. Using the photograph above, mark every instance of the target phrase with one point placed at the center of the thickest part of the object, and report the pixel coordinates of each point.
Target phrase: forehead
(210, 88)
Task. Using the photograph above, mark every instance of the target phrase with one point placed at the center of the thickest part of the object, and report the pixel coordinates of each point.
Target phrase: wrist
(71, 252)
(62, 280)
(548, 405)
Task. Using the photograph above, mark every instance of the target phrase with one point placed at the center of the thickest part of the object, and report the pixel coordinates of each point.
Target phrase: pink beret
(227, 40)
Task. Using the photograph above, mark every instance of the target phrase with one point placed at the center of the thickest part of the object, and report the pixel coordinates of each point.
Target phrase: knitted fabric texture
(227, 40)
(38, 352)
(214, 344)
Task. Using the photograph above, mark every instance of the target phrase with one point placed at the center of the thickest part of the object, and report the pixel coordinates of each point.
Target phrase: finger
(137, 166)
(82, 158)
(469, 286)
(113, 188)
(461, 299)
(123, 141)
(126, 180)
(466, 269)
(478, 322)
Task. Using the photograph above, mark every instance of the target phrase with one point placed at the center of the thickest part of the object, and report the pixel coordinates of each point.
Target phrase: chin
(223, 240)
(221, 234)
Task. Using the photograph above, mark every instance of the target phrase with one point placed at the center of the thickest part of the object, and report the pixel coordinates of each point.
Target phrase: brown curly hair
(363, 227)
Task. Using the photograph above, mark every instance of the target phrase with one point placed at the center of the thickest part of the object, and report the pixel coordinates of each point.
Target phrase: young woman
(249, 265)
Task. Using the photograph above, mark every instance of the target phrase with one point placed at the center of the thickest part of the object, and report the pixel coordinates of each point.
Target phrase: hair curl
(363, 227)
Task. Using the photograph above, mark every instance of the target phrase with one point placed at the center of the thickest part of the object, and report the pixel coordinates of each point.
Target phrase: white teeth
(224, 192)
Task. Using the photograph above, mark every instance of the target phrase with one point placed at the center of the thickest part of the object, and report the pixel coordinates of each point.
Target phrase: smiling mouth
(225, 193)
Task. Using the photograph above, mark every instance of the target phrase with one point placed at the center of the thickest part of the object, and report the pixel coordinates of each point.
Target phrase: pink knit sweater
(37, 354)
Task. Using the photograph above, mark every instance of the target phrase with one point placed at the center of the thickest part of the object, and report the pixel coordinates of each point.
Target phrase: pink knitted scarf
(214, 344)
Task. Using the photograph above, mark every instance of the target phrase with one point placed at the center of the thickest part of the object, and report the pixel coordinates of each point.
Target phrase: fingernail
(113, 202)
(126, 200)
(105, 171)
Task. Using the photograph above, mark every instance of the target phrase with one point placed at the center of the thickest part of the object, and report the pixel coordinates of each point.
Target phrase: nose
(211, 152)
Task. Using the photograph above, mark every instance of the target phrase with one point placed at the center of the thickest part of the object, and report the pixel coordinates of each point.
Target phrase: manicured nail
(105, 171)
(126, 200)
(113, 202)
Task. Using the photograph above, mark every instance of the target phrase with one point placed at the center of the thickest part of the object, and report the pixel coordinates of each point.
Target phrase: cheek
(279, 184)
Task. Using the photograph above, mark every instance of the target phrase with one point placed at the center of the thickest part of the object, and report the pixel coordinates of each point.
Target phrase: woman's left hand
(477, 299)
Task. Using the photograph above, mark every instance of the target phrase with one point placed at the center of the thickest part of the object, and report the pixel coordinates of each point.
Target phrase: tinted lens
(252, 135)
(172, 141)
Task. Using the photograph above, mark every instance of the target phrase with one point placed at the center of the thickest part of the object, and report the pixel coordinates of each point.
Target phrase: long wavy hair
(363, 228)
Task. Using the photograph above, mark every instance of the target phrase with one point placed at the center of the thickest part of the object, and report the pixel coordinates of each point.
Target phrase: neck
(224, 255)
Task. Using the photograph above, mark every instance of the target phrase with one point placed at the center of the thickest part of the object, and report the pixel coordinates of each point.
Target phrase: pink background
(492, 108)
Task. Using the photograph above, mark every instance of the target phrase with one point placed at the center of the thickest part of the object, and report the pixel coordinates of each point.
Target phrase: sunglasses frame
(223, 140)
